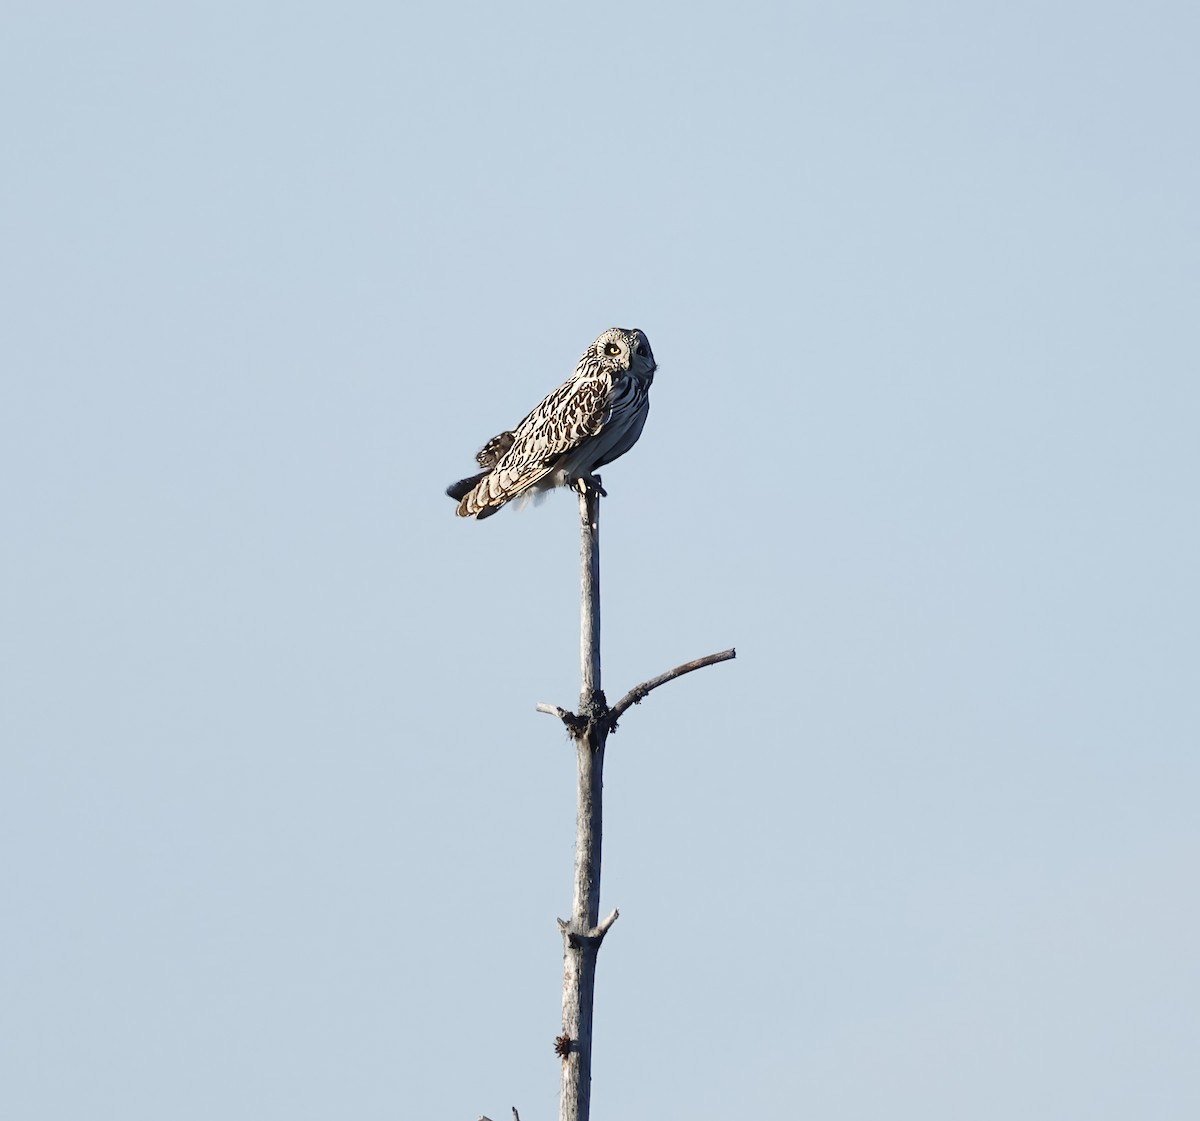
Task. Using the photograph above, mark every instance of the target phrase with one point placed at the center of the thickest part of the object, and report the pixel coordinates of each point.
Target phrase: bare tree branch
(638, 693)
(576, 725)
(602, 929)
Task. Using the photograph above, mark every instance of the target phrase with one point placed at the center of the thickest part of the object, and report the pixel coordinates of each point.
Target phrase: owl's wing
(491, 452)
(487, 457)
(569, 416)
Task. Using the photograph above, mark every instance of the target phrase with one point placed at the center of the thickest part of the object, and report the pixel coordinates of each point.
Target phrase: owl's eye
(641, 350)
(612, 350)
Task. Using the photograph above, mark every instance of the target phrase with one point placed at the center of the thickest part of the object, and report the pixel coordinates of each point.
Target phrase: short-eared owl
(586, 422)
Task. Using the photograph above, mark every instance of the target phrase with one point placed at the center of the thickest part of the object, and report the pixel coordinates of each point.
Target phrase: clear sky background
(282, 835)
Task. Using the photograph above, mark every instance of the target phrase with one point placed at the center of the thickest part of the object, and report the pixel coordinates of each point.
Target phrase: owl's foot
(592, 481)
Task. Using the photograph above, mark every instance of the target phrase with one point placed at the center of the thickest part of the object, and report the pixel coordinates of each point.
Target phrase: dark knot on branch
(596, 707)
(576, 725)
(589, 725)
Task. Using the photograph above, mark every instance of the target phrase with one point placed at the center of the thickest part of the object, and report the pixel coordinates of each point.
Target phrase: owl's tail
(475, 496)
(464, 487)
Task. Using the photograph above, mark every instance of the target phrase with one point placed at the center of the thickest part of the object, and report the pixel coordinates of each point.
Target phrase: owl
(588, 421)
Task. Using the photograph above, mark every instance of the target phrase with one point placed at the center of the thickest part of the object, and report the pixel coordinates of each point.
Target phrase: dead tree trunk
(582, 935)
(589, 728)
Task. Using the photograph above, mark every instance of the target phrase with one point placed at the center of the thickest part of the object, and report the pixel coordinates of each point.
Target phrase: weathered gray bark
(583, 933)
(589, 728)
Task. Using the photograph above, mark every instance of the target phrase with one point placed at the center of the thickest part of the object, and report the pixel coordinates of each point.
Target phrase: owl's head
(620, 350)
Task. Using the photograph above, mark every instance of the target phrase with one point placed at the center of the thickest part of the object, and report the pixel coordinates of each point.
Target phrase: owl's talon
(592, 481)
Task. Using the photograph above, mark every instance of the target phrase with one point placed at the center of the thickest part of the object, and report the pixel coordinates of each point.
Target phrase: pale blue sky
(282, 833)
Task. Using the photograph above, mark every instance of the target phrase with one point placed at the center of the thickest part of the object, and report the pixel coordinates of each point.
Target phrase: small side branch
(600, 719)
(639, 693)
(575, 725)
(557, 710)
(602, 929)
